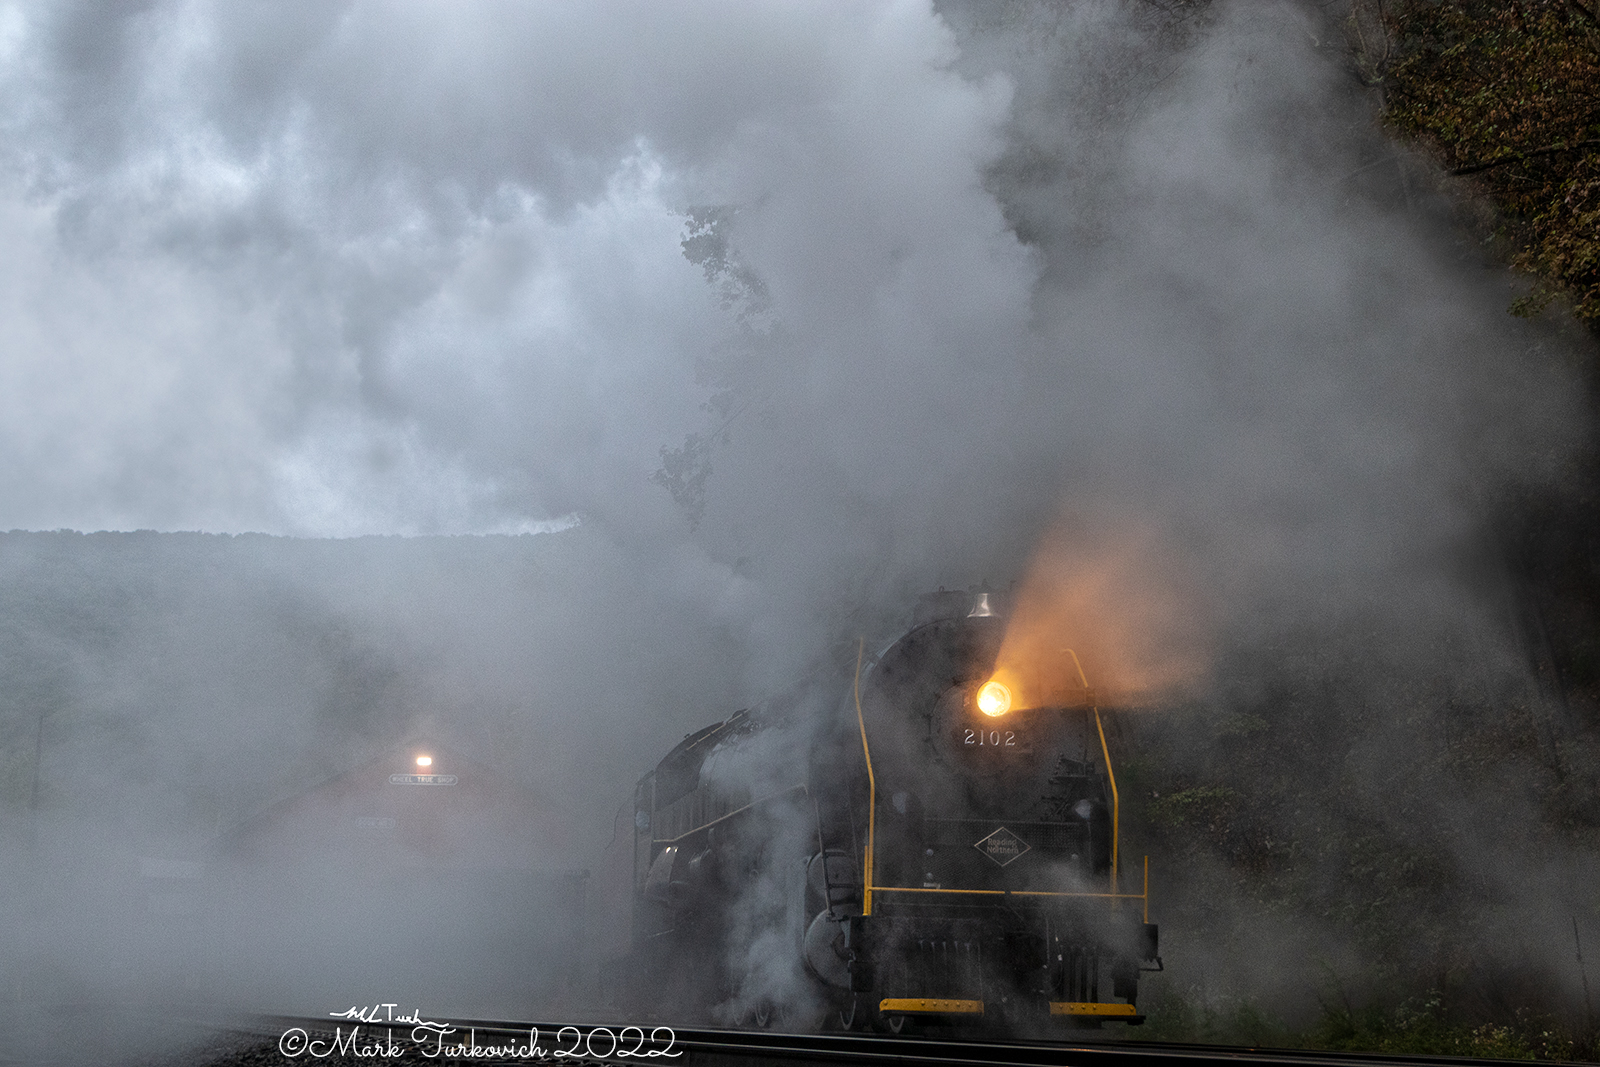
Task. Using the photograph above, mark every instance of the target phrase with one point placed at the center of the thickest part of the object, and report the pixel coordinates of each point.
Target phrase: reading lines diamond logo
(1002, 846)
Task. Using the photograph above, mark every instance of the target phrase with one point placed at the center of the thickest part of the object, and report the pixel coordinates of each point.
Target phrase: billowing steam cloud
(402, 268)
(801, 310)
(1111, 608)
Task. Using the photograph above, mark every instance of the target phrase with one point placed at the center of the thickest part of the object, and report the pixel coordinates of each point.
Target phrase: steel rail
(726, 1048)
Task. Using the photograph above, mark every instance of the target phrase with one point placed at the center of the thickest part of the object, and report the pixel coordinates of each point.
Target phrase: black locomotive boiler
(939, 846)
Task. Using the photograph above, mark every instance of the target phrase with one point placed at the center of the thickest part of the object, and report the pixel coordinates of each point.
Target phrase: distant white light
(424, 761)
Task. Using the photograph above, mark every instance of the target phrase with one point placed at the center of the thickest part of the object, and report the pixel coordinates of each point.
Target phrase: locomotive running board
(926, 1006)
(1072, 1007)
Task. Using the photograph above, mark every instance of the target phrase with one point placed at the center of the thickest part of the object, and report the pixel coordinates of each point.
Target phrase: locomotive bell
(981, 608)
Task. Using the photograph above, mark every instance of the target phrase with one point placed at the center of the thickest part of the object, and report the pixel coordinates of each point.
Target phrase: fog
(597, 368)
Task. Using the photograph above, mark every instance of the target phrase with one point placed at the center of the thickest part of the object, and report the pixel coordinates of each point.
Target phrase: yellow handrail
(799, 787)
(1115, 814)
(1110, 774)
(872, 791)
(1008, 892)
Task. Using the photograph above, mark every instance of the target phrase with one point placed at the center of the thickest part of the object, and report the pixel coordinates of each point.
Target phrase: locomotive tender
(938, 847)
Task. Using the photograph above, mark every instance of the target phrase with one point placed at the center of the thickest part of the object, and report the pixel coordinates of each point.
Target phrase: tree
(1506, 92)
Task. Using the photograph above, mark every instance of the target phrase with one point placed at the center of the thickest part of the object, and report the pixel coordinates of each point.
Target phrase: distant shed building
(422, 878)
(397, 812)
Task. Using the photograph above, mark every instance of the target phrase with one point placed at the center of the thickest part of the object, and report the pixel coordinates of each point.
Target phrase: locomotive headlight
(424, 761)
(994, 699)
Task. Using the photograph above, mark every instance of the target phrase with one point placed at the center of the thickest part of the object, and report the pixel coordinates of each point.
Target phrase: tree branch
(1520, 156)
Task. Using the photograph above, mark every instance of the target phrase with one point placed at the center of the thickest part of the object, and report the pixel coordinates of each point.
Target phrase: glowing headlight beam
(424, 761)
(994, 699)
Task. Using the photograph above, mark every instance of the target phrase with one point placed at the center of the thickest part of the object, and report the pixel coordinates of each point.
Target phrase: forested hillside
(1505, 93)
(171, 684)
(1400, 822)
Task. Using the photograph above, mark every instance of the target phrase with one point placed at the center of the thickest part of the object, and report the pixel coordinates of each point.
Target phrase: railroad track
(325, 1040)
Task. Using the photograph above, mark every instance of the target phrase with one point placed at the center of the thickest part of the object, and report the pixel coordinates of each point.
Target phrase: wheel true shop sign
(422, 779)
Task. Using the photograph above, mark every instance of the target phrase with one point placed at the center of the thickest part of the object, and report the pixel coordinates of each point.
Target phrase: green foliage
(1203, 807)
(1309, 820)
(1188, 1020)
(1506, 91)
(1242, 724)
(1421, 1029)
(1412, 1028)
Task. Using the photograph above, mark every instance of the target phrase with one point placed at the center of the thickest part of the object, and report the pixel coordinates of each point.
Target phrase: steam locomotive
(938, 847)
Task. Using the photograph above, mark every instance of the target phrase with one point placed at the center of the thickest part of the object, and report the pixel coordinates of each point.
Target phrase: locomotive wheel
(761, 1014)
(896, 1024)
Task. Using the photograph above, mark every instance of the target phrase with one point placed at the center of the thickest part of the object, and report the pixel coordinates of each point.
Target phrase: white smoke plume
(793, 309)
